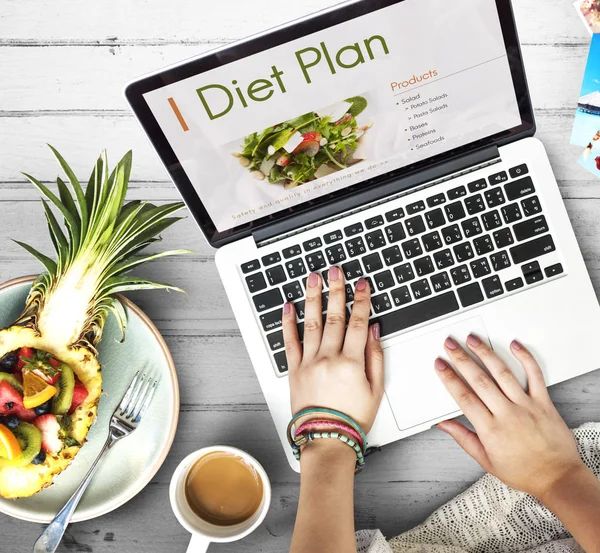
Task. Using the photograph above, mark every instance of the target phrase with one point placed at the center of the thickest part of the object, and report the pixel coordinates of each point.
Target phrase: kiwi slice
(64, 391)
(30, 439)
(13, 381)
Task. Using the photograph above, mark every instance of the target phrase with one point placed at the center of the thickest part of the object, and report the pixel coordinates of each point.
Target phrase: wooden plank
(39, 82)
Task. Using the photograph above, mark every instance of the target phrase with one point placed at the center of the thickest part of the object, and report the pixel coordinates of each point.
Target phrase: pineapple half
(68, 304)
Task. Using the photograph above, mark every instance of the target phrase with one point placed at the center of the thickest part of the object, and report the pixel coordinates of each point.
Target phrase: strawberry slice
(55, 362)
(24, 353)
(80, 394)
(313, 135)
(597, 160)
(11, 403)
(50, 428)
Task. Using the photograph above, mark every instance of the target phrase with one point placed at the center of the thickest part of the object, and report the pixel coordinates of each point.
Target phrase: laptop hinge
(383, 193)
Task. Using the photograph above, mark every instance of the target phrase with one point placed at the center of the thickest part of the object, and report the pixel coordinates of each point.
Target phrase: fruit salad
(38, 393)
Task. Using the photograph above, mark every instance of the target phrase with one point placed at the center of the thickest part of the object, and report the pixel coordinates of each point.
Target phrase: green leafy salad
(308, 147)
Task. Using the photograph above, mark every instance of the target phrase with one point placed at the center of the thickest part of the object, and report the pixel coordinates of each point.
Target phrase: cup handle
(198, 544)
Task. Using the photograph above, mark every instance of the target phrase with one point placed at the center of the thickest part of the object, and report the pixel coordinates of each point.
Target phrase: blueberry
(41, 457)
(12, 421)
(9, 361)
(42, 409)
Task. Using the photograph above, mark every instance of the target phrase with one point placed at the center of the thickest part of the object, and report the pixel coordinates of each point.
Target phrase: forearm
(325, 519)
(575, 500)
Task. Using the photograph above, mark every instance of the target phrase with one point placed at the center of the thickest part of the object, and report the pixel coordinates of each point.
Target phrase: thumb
(374, 360)
(468, 440)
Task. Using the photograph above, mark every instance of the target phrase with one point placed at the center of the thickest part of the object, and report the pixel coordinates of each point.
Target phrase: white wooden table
(62, 68)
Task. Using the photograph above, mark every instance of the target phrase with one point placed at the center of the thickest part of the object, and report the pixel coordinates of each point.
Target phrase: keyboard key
(300, 327)
(491, 220)
(356, 246)
(383, 280)
(531, 206)
(440, 282)
(381, 303)
(415, 208)
(250, 266)
(275, 275)
(455, 211)
(324, 301)
(494, 197)
(372, 263)
(531, 227)
(492, 286)
(470, 294)
(404, 273)
(300, 306)
(400, 296)
(423, 266)
(349, 293)
(499, 260)
(271, 320)
(532, 272)
(268, 300)
(438, 199)
(271, 259)
(458, 192)
(474, 204)
(295, 268)
(511, 213)
(370, 282)
(392, 255)
(451, 234)
(275, 340)
(412, 248)
(477, 185)
(312, 244)
(351, 230)
(463, 252)
(292, 251)
(503, 238)
(414, 225)
(443, 259)
(394, 215)
(514, 284)
(497, 178)
(374, 222)
(432, 241)
(352, 270)
(518, 171)
(325, 277)
(471, 227)
(519, 188)
(534, 248)
(395, 233)
(553, 270)
(460, 275)
(375, 240)
(335, 254)
(281, 361)
(420, 289)
(256, 282)
(415, 314)
(480, 268)
(483, 244)
(293, 291)
(332, 237)
(315, 261)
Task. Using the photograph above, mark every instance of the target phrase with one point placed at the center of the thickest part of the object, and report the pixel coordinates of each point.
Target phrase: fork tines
(137, 398)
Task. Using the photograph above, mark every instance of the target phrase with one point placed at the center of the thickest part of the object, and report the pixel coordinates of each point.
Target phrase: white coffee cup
(203, 533)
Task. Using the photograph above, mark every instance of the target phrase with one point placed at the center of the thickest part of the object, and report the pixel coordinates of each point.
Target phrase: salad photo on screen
(307, 147)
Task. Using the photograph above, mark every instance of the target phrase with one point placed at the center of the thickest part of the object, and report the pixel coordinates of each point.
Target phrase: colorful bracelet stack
(349, 427)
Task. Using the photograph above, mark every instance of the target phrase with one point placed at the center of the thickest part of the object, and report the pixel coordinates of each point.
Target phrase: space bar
(417, 313)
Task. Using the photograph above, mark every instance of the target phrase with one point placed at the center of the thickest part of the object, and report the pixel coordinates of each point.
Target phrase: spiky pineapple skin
(29, 480)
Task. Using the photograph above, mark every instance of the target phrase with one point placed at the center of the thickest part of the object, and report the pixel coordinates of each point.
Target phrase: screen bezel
(135, 90)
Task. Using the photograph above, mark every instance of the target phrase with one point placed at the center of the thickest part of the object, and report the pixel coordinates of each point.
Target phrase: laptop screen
(313, 116)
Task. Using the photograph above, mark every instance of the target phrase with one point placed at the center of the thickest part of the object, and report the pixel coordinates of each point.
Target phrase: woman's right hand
(520, 436)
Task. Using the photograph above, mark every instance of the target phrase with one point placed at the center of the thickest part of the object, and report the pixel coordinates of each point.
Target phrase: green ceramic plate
(132, 463)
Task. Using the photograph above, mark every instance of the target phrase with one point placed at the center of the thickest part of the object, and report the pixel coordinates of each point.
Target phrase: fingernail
(376, 331)
(313, 280)
(361, 284)
(450, 343)
(440, 364)
(333, 273)
(473, 340)
(516, 345)
(287, 307)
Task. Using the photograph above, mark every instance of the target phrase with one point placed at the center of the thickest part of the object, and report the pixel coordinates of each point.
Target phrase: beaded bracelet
(303, 439)
(311, 425)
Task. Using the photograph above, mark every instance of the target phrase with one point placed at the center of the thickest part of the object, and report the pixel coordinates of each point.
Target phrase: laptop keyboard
(424, 260)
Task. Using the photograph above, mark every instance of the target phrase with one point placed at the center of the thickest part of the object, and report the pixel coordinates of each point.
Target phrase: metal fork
(124, 421)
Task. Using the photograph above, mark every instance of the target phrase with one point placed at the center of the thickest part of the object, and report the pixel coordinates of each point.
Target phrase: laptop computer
(393, 138)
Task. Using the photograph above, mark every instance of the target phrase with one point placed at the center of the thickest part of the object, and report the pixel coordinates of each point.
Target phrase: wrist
(328, 452)
(576, 477)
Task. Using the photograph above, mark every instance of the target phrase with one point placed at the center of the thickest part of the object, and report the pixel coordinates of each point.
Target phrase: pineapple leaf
(58, 237)
(43, 259)
(132, 262)
(117, 309)
(67, 199)
(118, 284)
(93, 187)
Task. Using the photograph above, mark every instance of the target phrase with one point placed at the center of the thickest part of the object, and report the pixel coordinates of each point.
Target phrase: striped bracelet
(312, 425)
(302, 439)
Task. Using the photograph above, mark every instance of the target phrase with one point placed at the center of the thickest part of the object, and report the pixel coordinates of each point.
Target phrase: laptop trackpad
(414, 391)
